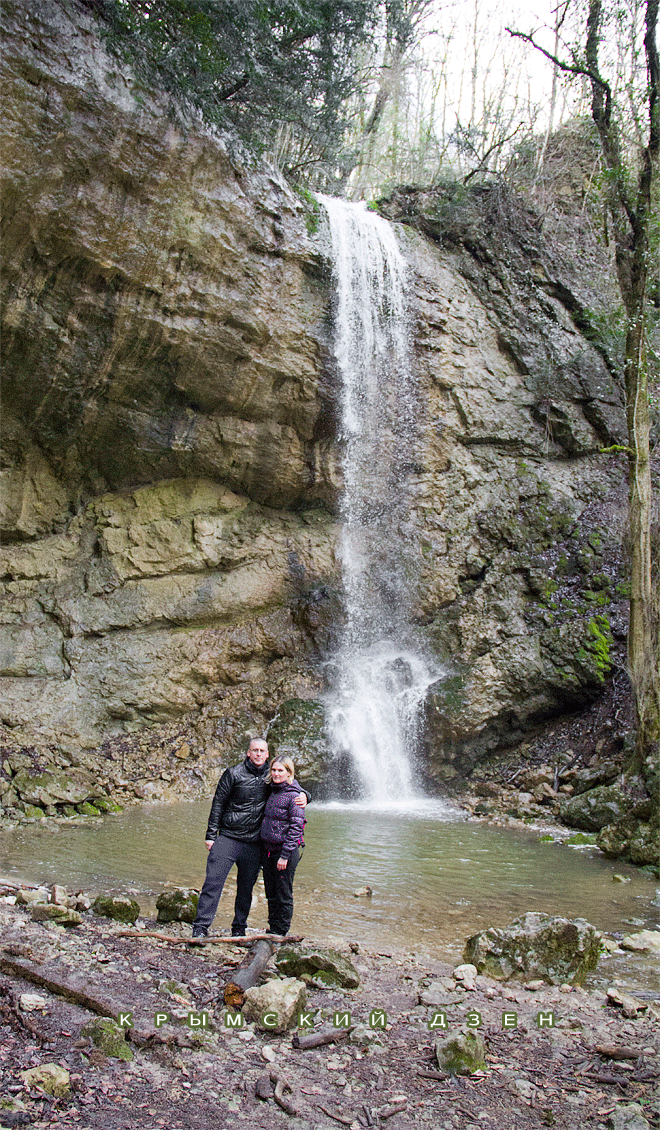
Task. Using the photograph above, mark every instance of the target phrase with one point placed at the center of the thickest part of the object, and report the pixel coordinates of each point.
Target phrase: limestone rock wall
(170, 453)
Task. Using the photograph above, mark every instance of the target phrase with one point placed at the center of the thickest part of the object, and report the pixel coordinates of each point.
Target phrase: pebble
(268, 1053)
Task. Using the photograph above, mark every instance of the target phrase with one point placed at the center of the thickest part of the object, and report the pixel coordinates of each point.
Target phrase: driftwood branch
(210, 939)
(336, 1117)
(323, 1036)
(282, 1084)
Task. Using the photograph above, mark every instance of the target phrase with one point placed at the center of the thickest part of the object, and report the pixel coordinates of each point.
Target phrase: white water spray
(380, 677)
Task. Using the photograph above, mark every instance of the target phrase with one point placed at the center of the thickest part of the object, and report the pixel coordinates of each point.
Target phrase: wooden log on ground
(71, 988)
(323, 1036)
(248, 974)
(210, 939)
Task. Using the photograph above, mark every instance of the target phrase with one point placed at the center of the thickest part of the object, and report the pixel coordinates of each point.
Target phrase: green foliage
(600, 644)
(251, 65)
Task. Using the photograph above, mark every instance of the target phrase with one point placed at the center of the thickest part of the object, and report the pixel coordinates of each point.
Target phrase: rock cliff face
(170, 444)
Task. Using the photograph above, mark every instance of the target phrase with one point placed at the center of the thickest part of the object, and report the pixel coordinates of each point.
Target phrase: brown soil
(179, 1078)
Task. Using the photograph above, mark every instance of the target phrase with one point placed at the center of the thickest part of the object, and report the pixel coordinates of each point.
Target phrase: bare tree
(631, 186)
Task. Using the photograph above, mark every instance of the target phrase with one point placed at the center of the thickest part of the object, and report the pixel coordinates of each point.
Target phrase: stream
(436, 878)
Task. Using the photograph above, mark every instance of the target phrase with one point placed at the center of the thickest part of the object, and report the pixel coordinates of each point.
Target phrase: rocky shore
(548, 1054)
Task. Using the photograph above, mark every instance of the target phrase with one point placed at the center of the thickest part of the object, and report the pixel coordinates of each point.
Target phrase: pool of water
(436, 878)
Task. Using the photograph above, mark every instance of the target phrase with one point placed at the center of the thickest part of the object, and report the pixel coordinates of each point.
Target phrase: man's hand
(209, 844)
(282, 863)
(301, 800)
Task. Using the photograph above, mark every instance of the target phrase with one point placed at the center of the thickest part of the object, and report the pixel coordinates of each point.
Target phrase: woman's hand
(281, 863)
(209, 844)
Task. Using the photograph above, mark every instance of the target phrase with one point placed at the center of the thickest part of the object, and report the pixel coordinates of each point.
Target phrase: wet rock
(630, 839)
(120, 907)
(298, 731)
(363, 892)
(536, 946)
(645, 941)
(601, 774)
(106, 1035)
(51, 1077)
(595, 809)
(275, 1006)
(323, 968)
(179, 905)
(61, 915)
(461, 1054)
(55, 786)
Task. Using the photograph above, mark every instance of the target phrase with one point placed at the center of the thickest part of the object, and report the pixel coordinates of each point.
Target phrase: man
(232, 836)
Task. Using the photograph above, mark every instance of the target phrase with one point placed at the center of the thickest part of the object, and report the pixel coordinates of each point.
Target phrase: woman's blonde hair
(288, 765)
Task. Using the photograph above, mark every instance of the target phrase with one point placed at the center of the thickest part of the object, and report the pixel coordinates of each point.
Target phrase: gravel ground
(178, 1077)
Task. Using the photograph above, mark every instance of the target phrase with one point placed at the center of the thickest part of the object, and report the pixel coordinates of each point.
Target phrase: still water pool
(436, 878)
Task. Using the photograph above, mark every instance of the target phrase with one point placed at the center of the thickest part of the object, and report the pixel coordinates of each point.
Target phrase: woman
(282, 843)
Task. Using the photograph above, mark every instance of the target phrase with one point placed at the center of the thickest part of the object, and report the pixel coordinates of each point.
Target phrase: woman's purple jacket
(284, 820)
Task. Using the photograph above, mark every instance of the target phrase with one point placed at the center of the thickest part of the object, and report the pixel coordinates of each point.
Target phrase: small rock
(268, 1053)
(119, 907)
(630, 1005)
(461, 1054)
(628, 1116)
(616, 878)
(52, 1078)
(106, 1035)
(363, 891)
(58, 914)
(32, 1002)
(534, 986)
(26, 898)
(645, 941)
(59, 895)
(178, 905)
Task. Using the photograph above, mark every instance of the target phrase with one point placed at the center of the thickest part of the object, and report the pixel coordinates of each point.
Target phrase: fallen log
(71, 988)
(615, 1051)
(210, 939)
(323, 1036)
(248, 974)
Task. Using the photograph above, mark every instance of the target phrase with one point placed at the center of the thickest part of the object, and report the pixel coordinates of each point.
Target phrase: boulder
(120, 907)
(275, 1006)
(461, 1054)
(322, 968)
(595, 809)
(534, 946)
(298, 731)
(55, 786)
(108, 1036)
(179, 905)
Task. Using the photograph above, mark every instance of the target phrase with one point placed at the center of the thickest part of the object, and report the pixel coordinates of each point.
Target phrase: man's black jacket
(239, 802)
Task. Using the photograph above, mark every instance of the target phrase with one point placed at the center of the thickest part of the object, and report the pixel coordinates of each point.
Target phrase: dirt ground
(180, 1077)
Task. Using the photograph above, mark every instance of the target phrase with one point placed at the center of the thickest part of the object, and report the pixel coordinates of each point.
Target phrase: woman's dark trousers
(279, 890)
(224, 853)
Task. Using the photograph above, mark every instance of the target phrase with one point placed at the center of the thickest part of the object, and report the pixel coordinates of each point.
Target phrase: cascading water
(380, 676)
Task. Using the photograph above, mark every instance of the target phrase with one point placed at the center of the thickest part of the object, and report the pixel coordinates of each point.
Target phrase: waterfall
(380, 677)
